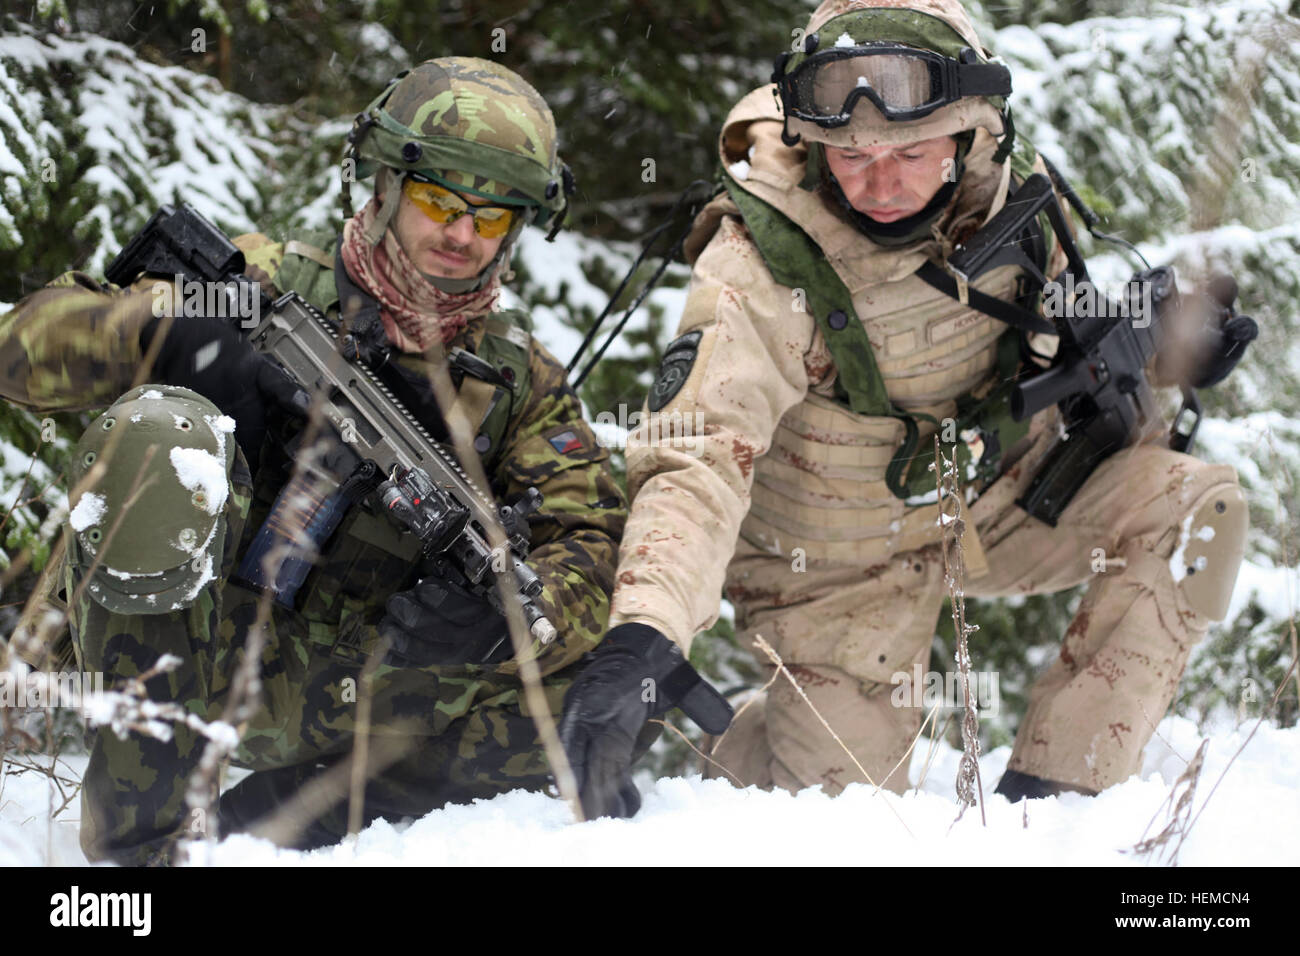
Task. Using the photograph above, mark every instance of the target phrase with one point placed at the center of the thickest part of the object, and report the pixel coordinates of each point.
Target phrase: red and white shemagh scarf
(416, 313)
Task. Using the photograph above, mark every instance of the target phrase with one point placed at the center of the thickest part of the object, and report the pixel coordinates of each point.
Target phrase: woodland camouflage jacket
(75, 345)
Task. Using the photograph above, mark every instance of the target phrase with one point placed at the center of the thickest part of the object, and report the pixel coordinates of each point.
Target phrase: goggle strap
(982, 79)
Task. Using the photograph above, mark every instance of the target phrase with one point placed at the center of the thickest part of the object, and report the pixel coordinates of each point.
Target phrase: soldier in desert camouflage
(464, 155)
(814, 350)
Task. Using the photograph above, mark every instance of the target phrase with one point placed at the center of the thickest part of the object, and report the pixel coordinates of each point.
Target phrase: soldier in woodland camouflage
(464, 155)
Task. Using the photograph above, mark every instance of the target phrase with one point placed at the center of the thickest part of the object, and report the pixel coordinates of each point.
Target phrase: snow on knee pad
(150, 476)
(1211, 545)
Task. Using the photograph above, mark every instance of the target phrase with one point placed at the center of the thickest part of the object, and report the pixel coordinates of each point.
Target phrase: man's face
(889, 183)
(448, 251)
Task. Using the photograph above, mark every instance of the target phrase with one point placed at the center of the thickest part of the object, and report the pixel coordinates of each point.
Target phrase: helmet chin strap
(389, 199)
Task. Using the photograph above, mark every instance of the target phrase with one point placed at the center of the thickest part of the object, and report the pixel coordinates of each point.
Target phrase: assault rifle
(377, 443)
(1098, 376)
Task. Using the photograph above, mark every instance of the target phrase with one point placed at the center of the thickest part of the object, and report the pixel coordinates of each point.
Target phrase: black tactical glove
(440, 623)
(634, 675)
(213, 359)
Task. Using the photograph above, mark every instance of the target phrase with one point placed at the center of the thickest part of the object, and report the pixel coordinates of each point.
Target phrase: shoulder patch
(679, 359)
(565, 442)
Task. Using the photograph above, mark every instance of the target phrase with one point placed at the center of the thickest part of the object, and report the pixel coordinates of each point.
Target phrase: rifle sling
(1008, 312)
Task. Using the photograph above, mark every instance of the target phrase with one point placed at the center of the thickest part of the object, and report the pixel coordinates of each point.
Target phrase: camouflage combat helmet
(471, 125)
(939, 27)
(887, 73)
(149, 522)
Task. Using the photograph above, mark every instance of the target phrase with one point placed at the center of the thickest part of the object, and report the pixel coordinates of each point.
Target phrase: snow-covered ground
(1244, 814)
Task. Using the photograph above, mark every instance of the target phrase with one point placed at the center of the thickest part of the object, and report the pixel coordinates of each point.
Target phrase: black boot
(268, 794)
(1017, 786)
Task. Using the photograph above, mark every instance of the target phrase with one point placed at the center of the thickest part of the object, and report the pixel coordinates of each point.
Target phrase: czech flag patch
(566, 442)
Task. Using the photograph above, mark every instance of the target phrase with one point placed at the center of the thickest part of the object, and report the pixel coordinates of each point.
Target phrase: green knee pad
(150, 482)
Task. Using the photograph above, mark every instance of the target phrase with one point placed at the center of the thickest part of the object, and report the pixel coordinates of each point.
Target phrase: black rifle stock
(1098, 376)
(378, 443)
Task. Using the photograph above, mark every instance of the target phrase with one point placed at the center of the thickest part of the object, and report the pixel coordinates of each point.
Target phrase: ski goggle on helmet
(823, 86)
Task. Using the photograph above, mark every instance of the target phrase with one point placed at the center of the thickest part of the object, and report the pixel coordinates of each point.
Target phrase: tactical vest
(836, 479)
(308, 269)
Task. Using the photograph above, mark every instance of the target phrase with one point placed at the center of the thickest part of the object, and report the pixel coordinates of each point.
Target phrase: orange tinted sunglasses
(444, 206)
